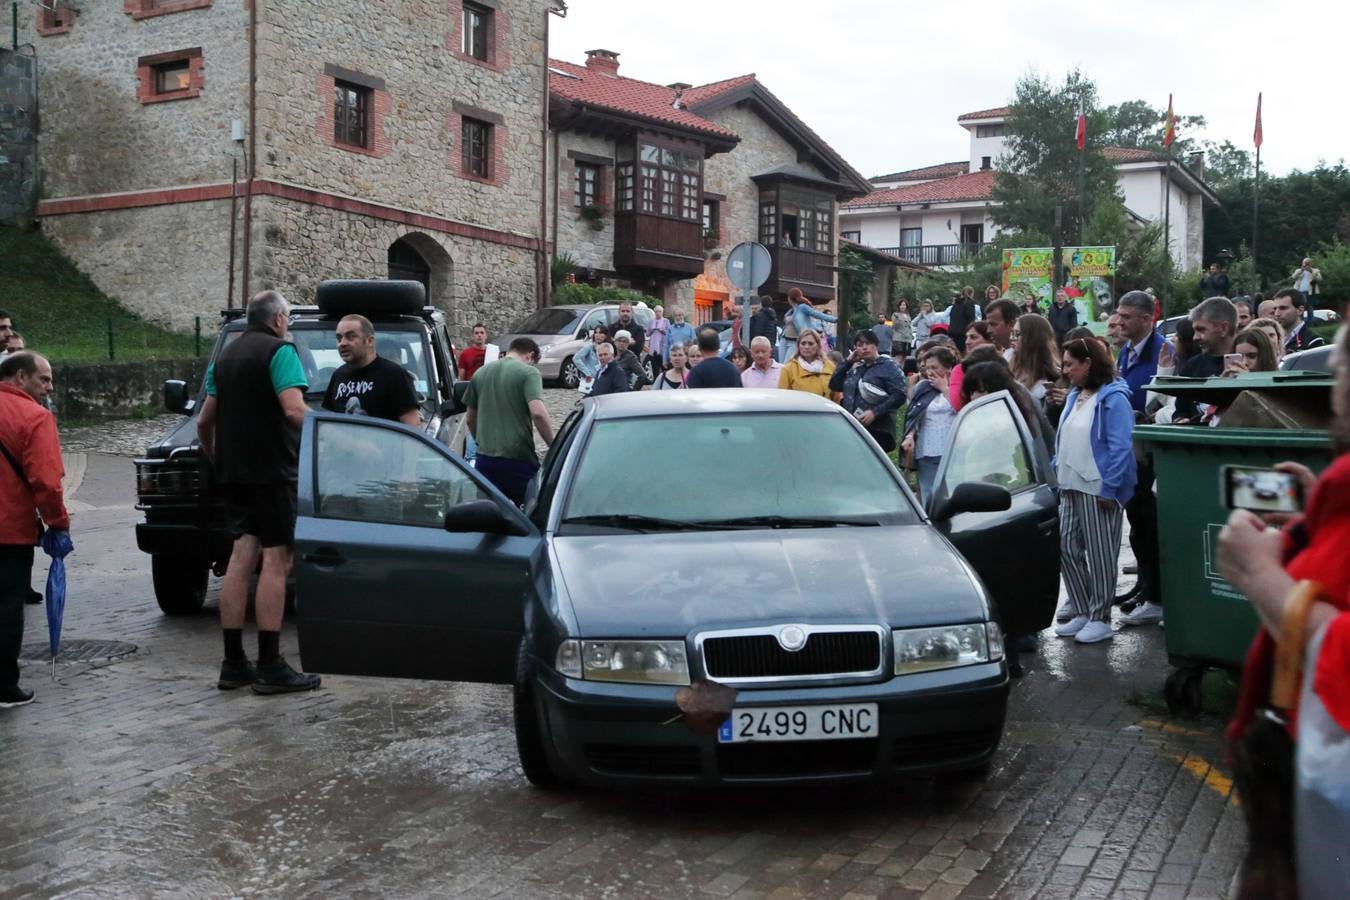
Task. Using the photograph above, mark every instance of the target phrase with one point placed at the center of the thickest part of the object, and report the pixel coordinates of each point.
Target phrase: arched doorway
(418, 257)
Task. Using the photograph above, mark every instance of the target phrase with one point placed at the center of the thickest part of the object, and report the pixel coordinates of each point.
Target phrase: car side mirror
(176, 397)
(972, 497)
(455, 404)
(481, 517)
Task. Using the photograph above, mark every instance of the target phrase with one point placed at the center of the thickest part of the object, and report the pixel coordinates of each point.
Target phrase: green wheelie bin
(1269, 417)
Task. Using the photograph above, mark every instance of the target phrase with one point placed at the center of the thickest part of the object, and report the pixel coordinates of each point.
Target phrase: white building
(935, 214)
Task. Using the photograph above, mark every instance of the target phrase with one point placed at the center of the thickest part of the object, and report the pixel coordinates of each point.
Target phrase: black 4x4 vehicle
(185, 531)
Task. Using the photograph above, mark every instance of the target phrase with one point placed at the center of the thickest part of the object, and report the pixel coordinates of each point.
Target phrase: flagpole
(1082, 172)
(1258, 138)
(1168, 137)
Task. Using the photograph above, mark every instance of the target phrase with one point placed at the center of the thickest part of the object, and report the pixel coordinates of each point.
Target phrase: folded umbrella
(57, 545)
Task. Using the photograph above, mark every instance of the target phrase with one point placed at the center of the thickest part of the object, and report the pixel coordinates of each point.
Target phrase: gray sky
(883, 82)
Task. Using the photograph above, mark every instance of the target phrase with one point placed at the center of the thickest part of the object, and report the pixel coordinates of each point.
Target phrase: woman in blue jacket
(1094, 460)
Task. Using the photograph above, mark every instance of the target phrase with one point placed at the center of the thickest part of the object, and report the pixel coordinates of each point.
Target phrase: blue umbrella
(57, 545)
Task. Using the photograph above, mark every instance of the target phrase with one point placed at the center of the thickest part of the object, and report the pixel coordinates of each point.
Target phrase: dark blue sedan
(755, 543)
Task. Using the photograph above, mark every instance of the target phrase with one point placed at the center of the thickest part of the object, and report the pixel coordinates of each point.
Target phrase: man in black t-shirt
(366, 384)
(713, 371)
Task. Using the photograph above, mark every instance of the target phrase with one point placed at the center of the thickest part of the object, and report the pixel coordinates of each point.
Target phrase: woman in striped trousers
(1094, 461)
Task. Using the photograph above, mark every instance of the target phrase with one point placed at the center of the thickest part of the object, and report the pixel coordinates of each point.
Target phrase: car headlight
(545, 348)
(630, 662)
(946, 647)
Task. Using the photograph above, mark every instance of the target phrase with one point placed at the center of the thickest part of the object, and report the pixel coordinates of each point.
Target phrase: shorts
(266, 511)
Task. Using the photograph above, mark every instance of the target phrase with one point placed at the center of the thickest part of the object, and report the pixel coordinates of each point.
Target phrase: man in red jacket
(30, 486)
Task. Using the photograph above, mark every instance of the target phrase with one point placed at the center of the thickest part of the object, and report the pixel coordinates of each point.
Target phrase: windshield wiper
(780, 522)
(632, 522)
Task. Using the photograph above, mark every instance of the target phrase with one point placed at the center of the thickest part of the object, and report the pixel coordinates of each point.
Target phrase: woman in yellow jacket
(809, 370)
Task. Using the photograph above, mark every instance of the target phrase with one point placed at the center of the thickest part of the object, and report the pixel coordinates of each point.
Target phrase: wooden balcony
(794, 268)
(657, 245)
(934, 254)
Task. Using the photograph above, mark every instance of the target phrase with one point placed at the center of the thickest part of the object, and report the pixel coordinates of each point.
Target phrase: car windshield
(710, 468)
(319, 357)
(549, 321)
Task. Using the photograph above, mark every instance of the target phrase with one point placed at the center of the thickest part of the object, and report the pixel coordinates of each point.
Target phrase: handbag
(1263, 764)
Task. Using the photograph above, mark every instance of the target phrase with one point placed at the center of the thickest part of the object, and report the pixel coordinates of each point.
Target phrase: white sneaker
(1064, 613)
(1147, 613)
(1093, 632)
(1071, 627)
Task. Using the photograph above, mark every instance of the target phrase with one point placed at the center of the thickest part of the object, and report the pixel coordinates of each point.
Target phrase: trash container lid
(1222, 391)
(1198, 435)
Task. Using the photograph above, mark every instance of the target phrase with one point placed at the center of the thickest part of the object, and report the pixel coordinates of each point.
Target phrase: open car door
(1016, 551)
(382, 588)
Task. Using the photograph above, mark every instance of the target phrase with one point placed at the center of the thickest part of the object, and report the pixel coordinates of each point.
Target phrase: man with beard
(367, 384)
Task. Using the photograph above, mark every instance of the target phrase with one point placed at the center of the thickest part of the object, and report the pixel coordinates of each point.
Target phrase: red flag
(1171, 134)
(1256, 134)
(1080, 135)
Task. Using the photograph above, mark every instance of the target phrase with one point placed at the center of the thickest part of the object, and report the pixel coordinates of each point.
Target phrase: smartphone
(1233, 359)
(1261, 490)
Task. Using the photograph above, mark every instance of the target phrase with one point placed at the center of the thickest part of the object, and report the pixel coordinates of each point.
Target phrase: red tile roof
(998, 112)
(941, 170)
(971, 186)
(628, 96)
(704, 92)
(1132, 154)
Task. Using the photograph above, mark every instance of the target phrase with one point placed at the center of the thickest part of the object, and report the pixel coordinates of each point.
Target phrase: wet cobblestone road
(138, 778)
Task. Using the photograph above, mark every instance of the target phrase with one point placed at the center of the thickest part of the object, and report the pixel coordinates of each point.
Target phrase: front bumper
(614, 734)
(206, 538)
(550, 368)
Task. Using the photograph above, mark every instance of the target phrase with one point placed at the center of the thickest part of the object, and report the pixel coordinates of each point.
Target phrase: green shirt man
(506, 405)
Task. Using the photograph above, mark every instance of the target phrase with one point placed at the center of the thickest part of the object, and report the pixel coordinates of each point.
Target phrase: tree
(1225, 164)
(1041, 159)
(1137, 124)
(1300, 212)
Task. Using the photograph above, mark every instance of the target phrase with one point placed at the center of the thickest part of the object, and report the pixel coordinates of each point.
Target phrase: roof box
(370, 297)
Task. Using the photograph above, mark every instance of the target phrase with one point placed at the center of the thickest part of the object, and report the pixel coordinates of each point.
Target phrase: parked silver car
(561, 330)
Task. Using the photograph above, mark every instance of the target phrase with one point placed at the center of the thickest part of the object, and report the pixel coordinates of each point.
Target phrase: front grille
(938, 749)
(761, 656)
(789, 760)
(628, 759)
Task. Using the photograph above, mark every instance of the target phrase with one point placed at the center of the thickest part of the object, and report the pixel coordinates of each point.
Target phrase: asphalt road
(137, 777)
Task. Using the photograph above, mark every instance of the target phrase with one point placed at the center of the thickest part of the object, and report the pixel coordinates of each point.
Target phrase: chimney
(604, 61)
(1196, 163)
(679, 86)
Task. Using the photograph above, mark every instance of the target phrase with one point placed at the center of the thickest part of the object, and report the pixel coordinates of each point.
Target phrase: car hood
(184, 433)
(633, 585)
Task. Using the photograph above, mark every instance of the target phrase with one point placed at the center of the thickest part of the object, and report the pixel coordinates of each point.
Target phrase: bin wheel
(1182, 691)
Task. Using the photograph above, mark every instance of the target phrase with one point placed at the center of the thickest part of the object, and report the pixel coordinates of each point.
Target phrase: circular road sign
(748, 265)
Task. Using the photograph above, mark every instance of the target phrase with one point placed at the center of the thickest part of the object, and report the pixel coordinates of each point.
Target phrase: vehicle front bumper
(550, 367)
(206, 537)
(933, 723)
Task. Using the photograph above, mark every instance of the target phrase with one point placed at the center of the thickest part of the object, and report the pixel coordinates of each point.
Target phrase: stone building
(654, 184)
(197, 150)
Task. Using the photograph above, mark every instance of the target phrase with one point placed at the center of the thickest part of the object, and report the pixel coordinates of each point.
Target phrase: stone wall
(168, 264)
(575, 235)
(296, 246)
(97, 137)
(18, 138)
(405, 45)
(118, 389)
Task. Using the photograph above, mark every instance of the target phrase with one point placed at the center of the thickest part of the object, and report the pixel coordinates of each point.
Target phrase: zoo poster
(1089, 273)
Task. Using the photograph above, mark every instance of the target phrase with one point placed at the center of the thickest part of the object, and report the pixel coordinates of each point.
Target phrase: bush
(1182, 293)
(1334, 262)
(586, 294)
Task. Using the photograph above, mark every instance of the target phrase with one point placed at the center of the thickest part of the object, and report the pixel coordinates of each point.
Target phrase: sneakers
(235, 674)
(1146, 613)
(33, 596)
(1071, 627)
(280, 678)
(1093, 632)
(14, 696)
(1064, 613)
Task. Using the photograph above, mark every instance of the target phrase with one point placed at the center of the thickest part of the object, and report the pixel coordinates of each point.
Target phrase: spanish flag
(1171, 134)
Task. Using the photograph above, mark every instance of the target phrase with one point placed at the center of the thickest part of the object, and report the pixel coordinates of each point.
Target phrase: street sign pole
(748, 266)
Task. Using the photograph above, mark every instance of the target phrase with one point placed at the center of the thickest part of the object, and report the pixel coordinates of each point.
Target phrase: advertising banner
(1089, 276)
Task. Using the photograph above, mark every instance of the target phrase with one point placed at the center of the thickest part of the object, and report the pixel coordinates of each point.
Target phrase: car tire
(180, 584)
(529, 737)
(569, 376)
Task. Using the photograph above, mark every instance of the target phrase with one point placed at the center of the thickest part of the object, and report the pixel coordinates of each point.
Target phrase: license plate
(800, 723)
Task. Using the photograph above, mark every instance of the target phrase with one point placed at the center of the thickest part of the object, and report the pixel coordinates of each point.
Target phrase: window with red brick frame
(54, 21)
(478, 33)
(170, 76)
(480, 137)
(145, 9)
(354, 106)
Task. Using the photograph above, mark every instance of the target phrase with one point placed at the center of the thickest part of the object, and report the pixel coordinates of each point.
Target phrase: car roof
(1317, 359)
(708, 400)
